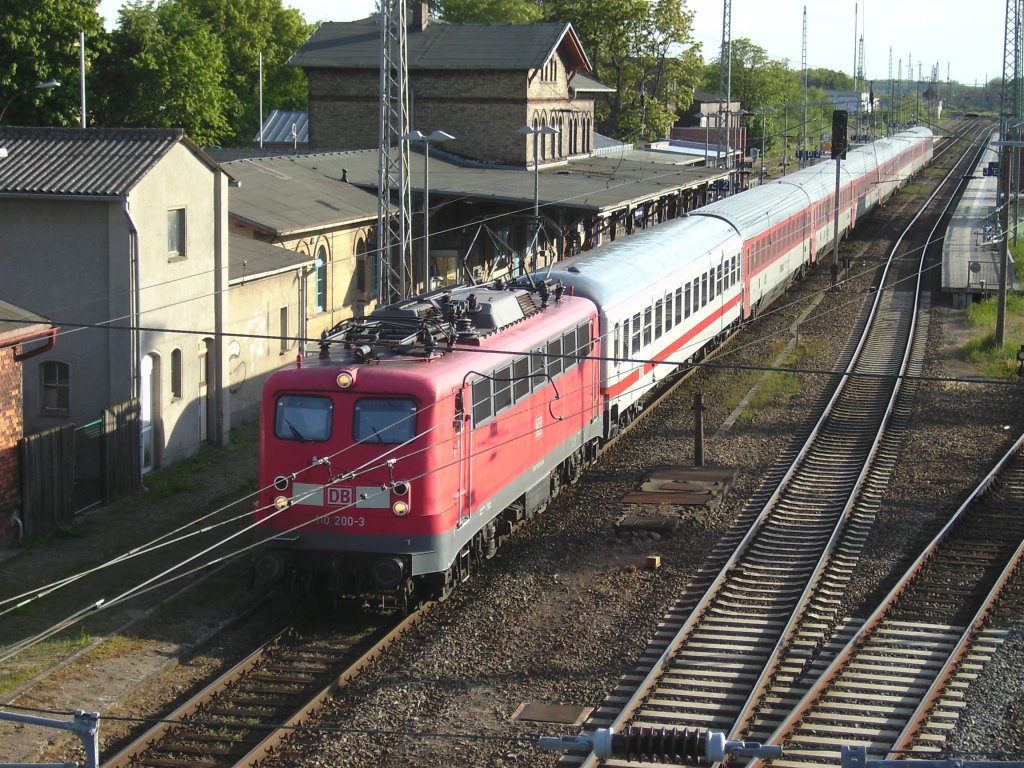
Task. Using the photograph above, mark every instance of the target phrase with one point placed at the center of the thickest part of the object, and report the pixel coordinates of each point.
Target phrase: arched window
(321, 279)
(360, 276)
(54, 388)
(176, 378)
(543, 143)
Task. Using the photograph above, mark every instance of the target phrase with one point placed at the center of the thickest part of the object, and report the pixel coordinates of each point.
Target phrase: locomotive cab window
(303, 418)
(502, 385)
(384, 420)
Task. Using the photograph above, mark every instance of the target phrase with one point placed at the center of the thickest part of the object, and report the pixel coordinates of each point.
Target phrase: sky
(964, 39)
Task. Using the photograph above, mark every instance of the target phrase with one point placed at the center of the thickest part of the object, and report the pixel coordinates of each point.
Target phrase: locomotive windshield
(303, 417)
(384, 420)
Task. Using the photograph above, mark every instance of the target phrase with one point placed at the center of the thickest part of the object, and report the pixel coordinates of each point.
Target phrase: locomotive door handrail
(464, 450)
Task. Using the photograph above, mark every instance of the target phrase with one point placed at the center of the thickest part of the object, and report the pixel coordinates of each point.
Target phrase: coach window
(659, 323)
(482, 409)
(635, 344)
(502, 386)
(648, 323)
(704, 289)
(617, 342)
(303, 418)
(718, 278)
(384, 420)
(711, 284)
(668, 312)
(687, 300)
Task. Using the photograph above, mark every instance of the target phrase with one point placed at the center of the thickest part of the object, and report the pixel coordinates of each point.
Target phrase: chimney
(420, 16)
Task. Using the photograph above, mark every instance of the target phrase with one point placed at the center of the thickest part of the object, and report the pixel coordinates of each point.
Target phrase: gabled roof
(583, 84)
(356, 45)
(280, 197)
(250, 259)
(95, 162)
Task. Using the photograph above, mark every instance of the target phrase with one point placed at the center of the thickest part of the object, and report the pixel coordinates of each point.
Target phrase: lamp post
(41, 86)
(545, 131)
(436, 137)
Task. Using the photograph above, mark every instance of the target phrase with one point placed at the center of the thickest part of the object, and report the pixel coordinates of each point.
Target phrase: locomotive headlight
(400, 488)
(282, 502)
(345, 379)
(400, 508)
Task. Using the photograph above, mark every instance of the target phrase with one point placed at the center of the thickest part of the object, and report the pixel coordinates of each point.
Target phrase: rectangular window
(304, 418)
(718, 279)
(704, 290)
(482, 405)
(687, 304)
(583, 342)
(384, 420)
(554, 357)
(648, 324)
(176, 233)
(635, 341)
(502, 387)
(711, 284)
(679, 306)
(521, 373)
(55, 383)
(285, 342)
(617, 342)
(569, 349)
(659, 321)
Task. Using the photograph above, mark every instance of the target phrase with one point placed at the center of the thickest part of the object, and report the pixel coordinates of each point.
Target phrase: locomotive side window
(554, 357)
(502, 385)
(304, 417)
(583, 341)
(481, 401)
(521, 373)
(384, 420)
(539, 368)
(569, 349)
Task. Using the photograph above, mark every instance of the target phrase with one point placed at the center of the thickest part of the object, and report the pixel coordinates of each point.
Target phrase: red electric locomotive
(421, 435)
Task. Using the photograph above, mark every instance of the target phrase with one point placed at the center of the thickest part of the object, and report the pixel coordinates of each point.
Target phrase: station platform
(971, 250)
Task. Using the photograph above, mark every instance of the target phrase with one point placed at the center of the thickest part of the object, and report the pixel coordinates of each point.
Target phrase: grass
(997, 362)
(116, 645)
(39, 658)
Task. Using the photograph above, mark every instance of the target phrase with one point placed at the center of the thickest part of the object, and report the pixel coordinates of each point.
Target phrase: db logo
(338, 496)
(538, 428)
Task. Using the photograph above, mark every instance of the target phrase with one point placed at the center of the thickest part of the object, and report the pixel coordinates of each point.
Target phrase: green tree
(167, 69)
(39, 43)
(645, 51)
(248, 28)
(489, 11)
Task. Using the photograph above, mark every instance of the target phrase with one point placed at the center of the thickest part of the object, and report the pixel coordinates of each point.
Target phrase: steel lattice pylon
(394, 227)
(725, 83)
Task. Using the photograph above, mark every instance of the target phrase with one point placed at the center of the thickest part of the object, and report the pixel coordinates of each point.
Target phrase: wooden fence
(47, 479)
(55, 485)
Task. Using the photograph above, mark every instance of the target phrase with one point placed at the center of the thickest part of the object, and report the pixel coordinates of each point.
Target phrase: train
(419, 436)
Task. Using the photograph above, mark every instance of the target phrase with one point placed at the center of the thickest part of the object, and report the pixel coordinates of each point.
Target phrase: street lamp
(436, 137)
(41, 86)
(544, 132)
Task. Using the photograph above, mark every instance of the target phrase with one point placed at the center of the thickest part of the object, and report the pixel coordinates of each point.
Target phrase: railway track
(775, 599)
(242, 715)
(897, 684)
